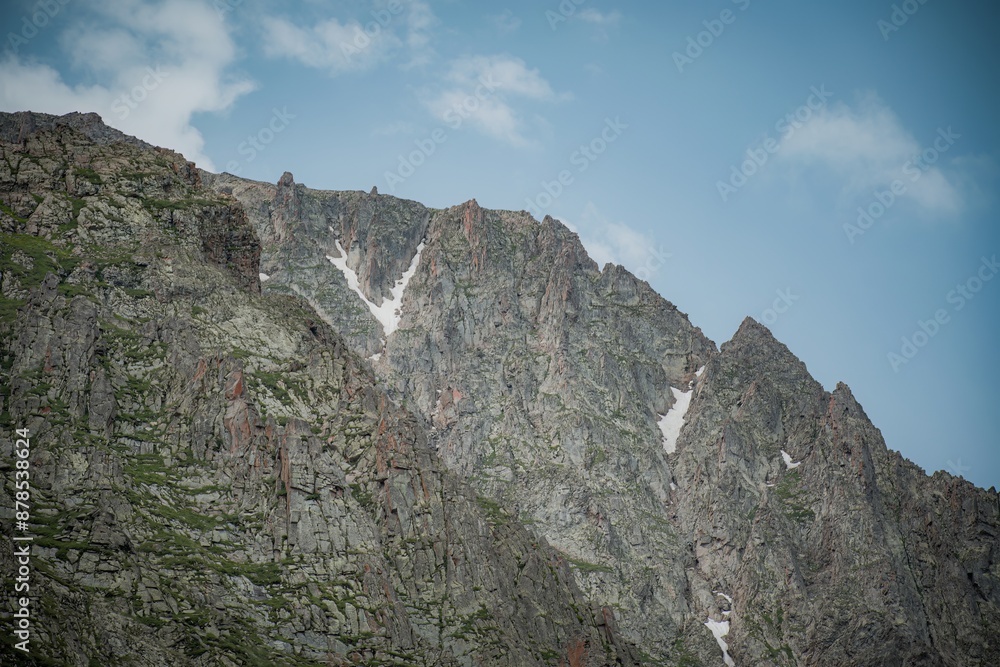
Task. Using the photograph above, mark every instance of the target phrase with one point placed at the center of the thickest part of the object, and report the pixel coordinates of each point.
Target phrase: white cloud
(868, 149)
(330, 45)
(420, 22)
(505, 22)
(356, 44)
(602, 22)
(613, 242)
(479, 91)
(154, 65)
(512, 74)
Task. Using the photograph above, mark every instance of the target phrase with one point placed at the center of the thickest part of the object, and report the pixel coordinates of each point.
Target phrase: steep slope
(835, 550)
(776, 514)
(541, 376)
(216, 479)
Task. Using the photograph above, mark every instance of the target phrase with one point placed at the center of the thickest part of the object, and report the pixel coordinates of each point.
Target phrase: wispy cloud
(420, 23)
(608, 241)
(330, 45)
(596, 17)
(483, 90)
(354, 45)
(153, 66)
(505, 22)
(867, 148)
(602, 22)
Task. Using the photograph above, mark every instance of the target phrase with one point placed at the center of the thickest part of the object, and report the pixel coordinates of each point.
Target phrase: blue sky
(827, 168)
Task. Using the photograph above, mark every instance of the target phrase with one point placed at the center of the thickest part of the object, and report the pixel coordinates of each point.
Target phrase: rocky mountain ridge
(769, 525)
(216, 479)
(544, 379)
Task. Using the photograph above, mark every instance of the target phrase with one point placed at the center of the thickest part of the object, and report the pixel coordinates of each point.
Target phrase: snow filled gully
(390, 312)
(671, 423)
(720, 629)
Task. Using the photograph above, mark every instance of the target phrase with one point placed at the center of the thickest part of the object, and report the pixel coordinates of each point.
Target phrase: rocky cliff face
(742, 498)
(217, 479)
(275, 425)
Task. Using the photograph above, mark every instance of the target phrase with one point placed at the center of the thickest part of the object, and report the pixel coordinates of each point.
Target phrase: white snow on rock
(671, 423)
(788, 460)
(719, 630)
(726, 612)
(263, 277)
(388, 314)
(376, 356)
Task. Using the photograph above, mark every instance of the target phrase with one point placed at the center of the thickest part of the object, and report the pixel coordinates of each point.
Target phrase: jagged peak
(750, 326)
(287, 180)
(752, 332)
(843, 392)
(557, 224)
(843, 396)
(755, 350)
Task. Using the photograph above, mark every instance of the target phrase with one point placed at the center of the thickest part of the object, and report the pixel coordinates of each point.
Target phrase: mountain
(278, 424)
(544, 380)
(215, 477)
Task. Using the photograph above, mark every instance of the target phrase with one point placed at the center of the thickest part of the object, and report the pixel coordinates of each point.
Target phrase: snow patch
(376, 356)
(388, 314)
(719, 630)
(723, 595)
(788, 460)
(673, 487)
(263, 277)
(671, 423)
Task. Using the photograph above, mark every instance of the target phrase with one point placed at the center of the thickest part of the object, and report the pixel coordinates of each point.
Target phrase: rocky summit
(271, 425)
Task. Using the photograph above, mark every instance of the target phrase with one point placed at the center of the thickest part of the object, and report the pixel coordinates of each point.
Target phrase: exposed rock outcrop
(540, 462)
(778, 510)
(216, 478)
